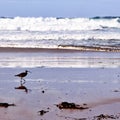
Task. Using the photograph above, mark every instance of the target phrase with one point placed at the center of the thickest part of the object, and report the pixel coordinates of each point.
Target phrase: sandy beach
(90, 79)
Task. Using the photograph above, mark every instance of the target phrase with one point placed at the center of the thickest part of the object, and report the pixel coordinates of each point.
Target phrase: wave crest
(57, 24)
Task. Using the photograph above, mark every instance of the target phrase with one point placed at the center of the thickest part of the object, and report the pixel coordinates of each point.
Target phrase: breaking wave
(97, 33)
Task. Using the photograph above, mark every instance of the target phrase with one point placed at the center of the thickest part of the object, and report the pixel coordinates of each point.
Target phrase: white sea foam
(52, 32)
(54, 24)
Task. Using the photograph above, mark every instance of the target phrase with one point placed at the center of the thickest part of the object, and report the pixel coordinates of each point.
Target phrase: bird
(22, 75)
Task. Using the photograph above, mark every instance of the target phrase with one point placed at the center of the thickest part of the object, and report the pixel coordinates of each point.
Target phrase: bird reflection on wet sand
(22, 87)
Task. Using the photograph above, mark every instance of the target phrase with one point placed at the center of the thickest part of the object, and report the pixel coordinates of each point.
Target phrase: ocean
(60, 42)
(88, 34)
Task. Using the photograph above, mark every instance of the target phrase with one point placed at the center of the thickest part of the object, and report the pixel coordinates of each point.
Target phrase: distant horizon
(63, 8)
(60, 17)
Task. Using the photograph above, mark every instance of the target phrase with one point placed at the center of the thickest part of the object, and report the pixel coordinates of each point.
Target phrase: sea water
(86, 34)
(97, 33)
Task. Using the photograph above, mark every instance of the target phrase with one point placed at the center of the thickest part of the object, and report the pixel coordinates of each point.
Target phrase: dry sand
(98, 88)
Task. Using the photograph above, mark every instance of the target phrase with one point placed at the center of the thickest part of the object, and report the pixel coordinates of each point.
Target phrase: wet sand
(97, 87)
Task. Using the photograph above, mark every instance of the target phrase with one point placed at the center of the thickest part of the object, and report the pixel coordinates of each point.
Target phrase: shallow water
(68, 59)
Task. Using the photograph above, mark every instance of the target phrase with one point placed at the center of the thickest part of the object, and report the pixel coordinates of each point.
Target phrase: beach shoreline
(90, 79)
(50, 86)
(66, 49)
(17, 49)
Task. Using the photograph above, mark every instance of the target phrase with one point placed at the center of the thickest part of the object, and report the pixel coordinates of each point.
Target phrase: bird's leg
(22, 83)
(22, 80)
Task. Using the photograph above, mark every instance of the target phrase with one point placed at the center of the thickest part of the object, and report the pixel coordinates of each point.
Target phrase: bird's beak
(29, 71)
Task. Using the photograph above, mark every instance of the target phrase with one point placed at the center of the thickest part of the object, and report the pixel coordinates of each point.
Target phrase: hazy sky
(59, 8)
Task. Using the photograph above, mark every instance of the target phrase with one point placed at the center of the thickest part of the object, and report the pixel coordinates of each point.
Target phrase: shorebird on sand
(22, 75)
